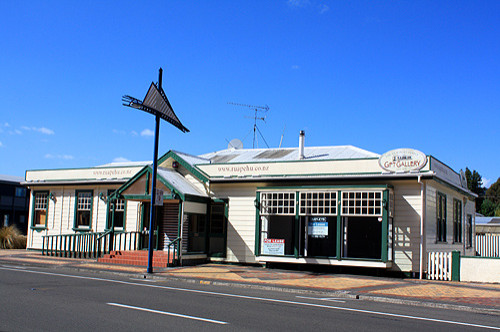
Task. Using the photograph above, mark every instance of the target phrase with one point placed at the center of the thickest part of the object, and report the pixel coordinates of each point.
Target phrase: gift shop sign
(402, 160)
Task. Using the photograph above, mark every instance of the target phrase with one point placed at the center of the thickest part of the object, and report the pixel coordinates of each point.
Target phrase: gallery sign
(402, 160)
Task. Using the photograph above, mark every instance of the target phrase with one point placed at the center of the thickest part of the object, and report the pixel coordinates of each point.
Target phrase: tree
(493, 195)
(493, 192)
(475, 184)
(487, 209)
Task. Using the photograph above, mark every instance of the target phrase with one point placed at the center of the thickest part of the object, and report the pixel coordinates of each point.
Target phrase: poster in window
(318, 227)
(275, 247)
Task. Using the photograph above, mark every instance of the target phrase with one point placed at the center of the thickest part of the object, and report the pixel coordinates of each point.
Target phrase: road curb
(289, 289)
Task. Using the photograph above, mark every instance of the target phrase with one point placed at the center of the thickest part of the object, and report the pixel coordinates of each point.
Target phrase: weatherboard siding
(407, 209)
(432, 244)
(241, 221)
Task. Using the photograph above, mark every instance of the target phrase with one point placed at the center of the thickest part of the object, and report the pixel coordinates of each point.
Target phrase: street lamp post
(156, 103)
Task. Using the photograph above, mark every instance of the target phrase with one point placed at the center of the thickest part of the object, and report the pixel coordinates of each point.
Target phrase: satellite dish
(235, 144)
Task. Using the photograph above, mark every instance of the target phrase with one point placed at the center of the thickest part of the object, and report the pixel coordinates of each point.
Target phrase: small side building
(14, 202)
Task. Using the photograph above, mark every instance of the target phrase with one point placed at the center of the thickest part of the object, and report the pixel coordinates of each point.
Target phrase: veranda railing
(94, 244)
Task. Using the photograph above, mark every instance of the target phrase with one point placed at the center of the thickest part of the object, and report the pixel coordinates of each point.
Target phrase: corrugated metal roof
(179, 182)
(11, 178)
(190, 159)
(287, 154)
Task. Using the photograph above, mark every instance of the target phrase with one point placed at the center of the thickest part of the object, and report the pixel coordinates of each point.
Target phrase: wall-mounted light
(52, 197)
(175, 164)
(103, 197)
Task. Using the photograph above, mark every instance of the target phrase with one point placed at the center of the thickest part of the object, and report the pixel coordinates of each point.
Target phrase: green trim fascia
(257, 224)
(333, 187)
(79, 168)
(455, 265)
(196, 199)
(32, 222)
(147, 197)
(91, 209)
(199, 174)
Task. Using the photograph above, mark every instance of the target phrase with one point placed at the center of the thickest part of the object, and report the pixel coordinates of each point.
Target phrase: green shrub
(11, 238)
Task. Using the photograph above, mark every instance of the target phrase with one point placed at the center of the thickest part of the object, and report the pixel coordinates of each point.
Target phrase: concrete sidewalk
(461, 295)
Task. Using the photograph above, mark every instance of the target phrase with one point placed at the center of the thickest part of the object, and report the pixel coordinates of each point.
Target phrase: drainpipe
(422, 226)
(301, 144)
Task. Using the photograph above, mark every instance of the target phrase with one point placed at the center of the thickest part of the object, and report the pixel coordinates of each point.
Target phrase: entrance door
(217, 230)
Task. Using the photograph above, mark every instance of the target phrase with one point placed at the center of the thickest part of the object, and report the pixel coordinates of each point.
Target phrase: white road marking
(148, 280)
(330, 299)
(17, 267)
(168, 313)
(262, 299)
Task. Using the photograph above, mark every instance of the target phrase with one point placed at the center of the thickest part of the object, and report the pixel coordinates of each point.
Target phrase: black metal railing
(95, 244)
(173, 249)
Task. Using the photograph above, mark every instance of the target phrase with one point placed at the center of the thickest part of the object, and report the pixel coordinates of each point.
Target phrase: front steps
(137, 258)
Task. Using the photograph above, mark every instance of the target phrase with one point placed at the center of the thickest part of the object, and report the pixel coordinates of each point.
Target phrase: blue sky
(374, 74)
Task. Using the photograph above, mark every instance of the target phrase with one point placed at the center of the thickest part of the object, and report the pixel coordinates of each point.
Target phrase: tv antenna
(256, 109)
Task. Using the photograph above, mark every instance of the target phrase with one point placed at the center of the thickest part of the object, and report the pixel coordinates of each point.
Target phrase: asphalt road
(38, 299)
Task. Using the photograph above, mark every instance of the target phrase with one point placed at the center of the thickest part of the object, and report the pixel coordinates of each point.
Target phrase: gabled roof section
(168, 178)
(187, 161)
(340, 152)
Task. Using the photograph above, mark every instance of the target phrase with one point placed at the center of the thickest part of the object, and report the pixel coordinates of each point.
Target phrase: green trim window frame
(278, 223)
(120, 213)
(83, 210)
(440, 217)
(300, 217)
(40, 209)
(457, 221)
(362, 203)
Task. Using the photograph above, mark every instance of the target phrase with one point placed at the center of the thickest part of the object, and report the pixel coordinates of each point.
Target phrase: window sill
(38, 228)
(81, 229)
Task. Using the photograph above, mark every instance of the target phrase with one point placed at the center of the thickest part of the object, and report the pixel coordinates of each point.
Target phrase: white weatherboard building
(333, 205)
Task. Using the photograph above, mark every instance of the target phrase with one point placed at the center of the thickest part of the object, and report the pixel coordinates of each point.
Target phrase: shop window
(40, 208)
(457, 220)
(362, 203)
(441, 217)
(277, 211)
(318, 203)
(83, 209)
(362, 237)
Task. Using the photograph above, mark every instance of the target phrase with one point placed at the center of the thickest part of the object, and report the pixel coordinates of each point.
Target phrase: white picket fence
(439, 266)
(488, 245)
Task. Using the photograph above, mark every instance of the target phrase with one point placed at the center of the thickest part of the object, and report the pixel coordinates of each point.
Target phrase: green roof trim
(200, 175)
